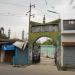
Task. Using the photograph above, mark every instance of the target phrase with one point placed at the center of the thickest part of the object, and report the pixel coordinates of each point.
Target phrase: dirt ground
(43, 68)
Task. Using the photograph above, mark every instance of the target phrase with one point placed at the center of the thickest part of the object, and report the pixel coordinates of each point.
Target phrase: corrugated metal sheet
(69, 55)
(20, 44)
(21, 57)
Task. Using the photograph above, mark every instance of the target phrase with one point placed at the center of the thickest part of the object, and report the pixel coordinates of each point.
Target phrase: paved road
(47, 61)
(39, 69)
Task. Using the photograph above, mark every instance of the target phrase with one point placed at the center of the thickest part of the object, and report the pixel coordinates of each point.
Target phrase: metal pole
(30, 47)
(30, 18)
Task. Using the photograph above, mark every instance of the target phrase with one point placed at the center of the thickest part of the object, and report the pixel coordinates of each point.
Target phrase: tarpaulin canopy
(8, 47)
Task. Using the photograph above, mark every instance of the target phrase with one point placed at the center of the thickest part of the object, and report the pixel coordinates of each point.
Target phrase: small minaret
(9, 31)
(44, 19)
(23, 35)
(2, 30)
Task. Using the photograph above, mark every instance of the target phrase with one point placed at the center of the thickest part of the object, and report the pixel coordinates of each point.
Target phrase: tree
(3, 36)
(48, 42)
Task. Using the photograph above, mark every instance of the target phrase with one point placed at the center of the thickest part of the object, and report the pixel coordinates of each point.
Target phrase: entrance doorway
(43, 51)
(9, 56)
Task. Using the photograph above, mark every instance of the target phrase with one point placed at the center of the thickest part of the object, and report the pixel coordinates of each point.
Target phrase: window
(69, 24)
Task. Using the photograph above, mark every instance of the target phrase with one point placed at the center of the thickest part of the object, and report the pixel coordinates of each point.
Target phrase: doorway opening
(43, 51)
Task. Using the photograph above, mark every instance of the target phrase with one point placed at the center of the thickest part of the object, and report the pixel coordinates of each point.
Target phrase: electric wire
(71, 2)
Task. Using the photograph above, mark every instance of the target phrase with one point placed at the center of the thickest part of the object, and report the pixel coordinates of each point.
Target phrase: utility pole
(30, 18)
(30, 47)
(30, 15)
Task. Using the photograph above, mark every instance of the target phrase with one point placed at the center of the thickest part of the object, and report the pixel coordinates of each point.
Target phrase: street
(36, 69)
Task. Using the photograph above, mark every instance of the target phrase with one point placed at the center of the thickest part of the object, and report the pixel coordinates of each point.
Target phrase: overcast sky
(13, 13)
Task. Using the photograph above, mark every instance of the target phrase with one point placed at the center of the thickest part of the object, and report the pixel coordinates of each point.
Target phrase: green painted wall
(47, 50)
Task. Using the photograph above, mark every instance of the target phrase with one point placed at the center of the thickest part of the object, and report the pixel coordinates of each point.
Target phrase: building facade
(66, 52)
(11, 54)
(38, 30)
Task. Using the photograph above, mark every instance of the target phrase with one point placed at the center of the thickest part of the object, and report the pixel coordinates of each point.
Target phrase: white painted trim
(62, 52)
(61, 25)
(68, 31)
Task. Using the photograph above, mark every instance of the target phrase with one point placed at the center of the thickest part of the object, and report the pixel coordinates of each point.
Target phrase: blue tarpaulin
(8, 47)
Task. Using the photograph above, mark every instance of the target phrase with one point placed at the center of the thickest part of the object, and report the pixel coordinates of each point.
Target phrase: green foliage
(3, 36)
(48, 42)
(37, 43)
(33, 37)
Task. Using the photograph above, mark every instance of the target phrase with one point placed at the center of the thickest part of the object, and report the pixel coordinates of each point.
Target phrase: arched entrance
(43, 50)
(37, 30)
